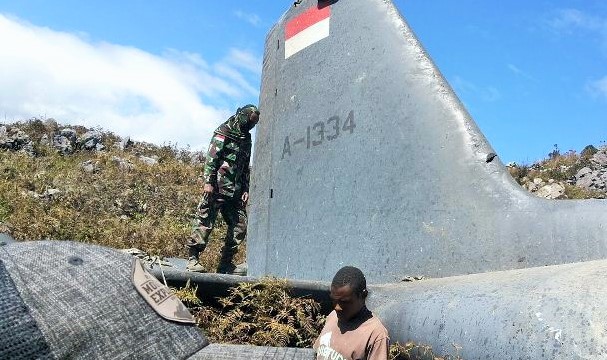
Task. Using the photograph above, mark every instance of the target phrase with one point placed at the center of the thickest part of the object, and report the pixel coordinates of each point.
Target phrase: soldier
(226, 189)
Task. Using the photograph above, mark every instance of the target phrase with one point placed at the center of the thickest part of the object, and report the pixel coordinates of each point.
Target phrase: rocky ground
(566, 176)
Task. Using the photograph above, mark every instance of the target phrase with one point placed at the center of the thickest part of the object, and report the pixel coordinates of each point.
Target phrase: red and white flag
(306, 29)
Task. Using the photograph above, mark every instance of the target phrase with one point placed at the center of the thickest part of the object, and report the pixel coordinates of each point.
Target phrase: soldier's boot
(194, 264)
(226, 266)
(241, 269)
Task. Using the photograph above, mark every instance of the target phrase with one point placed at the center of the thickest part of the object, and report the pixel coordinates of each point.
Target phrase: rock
(600, 158)
(148, 160)
(89, 167)
(91, 140)
(44, 140)
(589, 179)
(122, 164)
(29, 149)
(583, 172)
(14, 139)
(552, 191)
(64, 141)
(48, 194)
(531, 187)
(125, 143)
(68, 133)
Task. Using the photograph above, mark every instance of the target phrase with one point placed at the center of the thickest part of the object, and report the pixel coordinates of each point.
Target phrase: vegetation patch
(262, 313)
(109, 197)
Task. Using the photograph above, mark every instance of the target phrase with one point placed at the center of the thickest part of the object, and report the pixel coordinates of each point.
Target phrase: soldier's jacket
(227, 161)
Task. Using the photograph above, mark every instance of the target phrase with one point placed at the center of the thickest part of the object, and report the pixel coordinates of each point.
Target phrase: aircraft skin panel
(365, 156)
(554, 312)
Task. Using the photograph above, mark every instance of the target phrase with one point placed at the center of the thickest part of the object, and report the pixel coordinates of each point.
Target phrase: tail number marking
(320, 132)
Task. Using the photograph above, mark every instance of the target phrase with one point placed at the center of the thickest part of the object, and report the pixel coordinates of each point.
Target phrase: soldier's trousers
(234, 214)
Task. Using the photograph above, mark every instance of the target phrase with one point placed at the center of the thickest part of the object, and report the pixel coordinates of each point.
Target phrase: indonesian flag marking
(306, 29)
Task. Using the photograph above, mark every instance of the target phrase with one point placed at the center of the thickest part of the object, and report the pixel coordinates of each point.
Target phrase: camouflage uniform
(227, 170)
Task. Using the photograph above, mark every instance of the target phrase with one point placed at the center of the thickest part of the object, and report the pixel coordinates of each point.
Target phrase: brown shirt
(363, 338)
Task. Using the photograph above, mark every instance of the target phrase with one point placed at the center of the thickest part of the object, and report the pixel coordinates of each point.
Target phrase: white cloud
(570, 21)
(252, 19)
(245, 60)
(45, 73)
(598, 88)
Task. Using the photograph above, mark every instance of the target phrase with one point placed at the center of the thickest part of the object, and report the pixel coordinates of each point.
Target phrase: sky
(532, 74)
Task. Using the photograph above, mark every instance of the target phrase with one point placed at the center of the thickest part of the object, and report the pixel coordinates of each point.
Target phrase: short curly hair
(350, 275)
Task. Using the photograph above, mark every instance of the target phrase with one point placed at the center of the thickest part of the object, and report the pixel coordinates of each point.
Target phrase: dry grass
(146, 206)
(262, 313)
(558, 167)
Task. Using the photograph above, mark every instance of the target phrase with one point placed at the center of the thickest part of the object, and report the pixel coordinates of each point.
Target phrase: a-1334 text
(319, 133)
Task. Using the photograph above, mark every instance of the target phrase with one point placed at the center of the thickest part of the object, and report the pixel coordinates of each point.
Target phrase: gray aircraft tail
(365, 156)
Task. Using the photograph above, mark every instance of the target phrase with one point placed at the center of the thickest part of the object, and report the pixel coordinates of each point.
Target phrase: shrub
(262, 313)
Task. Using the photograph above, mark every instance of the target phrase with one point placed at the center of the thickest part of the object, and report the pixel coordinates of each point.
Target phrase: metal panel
(408, 190)
(554, 312)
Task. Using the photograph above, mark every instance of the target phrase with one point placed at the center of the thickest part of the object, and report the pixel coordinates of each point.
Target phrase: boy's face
(345, 302)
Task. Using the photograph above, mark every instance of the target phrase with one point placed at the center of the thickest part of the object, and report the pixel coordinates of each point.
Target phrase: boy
(351, 331)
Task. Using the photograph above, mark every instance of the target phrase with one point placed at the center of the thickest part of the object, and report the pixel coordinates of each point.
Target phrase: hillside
(566, 176)
(89, 185)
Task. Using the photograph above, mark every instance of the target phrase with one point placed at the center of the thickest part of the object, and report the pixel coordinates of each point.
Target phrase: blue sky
(531, 73)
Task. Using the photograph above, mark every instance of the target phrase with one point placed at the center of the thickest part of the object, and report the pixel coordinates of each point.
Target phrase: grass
(148, 207)
(262, 313)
